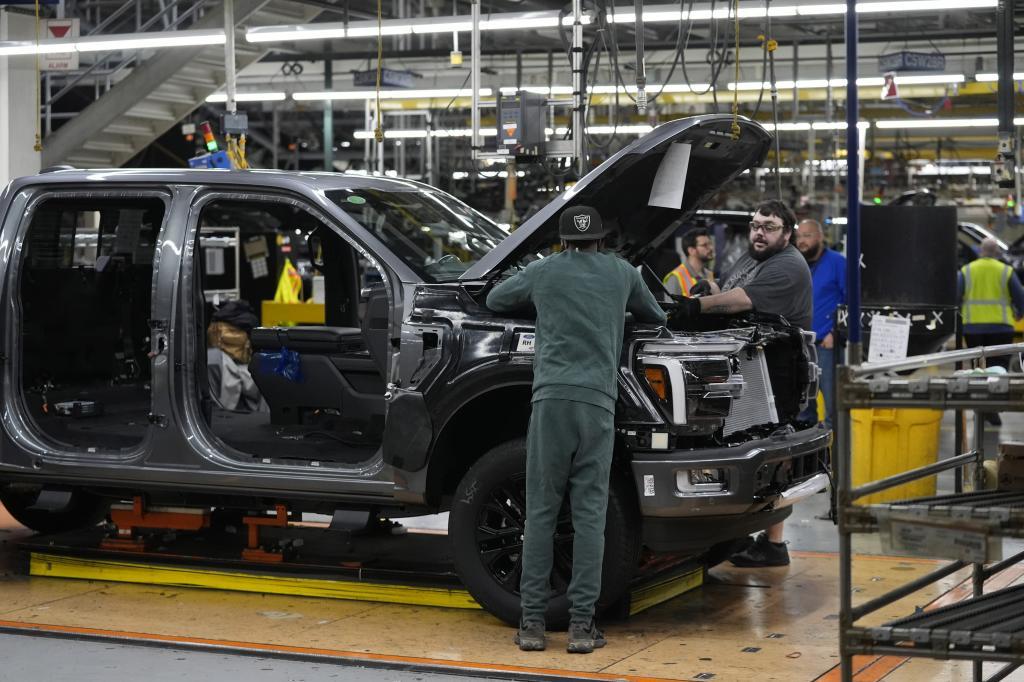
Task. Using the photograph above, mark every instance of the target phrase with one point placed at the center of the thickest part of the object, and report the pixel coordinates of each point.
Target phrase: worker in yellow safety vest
(991, 297)
(698, 252)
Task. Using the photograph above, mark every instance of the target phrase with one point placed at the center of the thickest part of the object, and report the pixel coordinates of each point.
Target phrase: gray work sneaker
(530, 636)
(584, 638)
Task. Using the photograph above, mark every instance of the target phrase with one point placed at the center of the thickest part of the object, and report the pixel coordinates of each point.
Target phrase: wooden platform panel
(743, 624)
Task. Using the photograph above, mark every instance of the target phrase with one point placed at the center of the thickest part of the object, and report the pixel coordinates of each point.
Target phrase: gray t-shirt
(780, 285)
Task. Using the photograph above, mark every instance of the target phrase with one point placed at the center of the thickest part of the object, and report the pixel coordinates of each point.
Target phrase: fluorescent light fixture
(518, 21)
(932, 169)
(493, 132)
(935, 79)
(940, 79)
(438, 93)
(114, 42)
(944, 123)
(395, 27)
(651, 89)
(248, 97)
(788, 126)
(539, 90)
(938, 123)
(622, 130)
(993, 77)
(835, 125)
(270, 34)
(798, 126)
(420, 134)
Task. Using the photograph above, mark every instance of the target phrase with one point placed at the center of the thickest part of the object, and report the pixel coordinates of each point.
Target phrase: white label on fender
(648, 485)
(525, 343)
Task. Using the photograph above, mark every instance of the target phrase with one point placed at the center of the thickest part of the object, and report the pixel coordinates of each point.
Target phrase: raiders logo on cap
(582, 222)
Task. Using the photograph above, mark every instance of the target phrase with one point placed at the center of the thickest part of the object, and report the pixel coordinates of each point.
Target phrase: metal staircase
(160, 91)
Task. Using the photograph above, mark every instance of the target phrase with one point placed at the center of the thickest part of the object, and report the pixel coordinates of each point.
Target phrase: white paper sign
(648, 485)
(670, 180)
(525, 343)
(214, 261)
(963, 542)
(889, 338)
(60, 29)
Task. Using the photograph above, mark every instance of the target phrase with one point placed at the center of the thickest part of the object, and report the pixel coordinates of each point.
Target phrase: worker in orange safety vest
(699, 253)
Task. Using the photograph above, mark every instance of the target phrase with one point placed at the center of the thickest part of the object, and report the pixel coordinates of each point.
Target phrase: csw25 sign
(912, 61)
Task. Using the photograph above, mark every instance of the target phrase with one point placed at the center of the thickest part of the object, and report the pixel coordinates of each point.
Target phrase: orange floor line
(327, 653)
(860, 664)
(881, 666)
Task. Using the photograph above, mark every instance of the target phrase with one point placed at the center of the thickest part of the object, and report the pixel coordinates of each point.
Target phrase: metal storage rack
(965, 527)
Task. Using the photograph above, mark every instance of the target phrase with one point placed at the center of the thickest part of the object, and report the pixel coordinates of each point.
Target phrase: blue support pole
(852, 184)
(853, 349)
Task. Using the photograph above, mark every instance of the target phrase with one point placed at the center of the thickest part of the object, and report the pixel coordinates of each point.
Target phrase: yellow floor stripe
(54, 566)
(647, 596)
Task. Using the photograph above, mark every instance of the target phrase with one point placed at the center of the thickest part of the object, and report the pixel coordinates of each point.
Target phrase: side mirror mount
(316, 249)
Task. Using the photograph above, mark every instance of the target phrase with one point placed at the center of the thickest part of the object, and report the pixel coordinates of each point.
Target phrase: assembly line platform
(741, 624)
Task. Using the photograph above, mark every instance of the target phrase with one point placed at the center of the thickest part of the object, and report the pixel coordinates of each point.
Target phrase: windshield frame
(454, 212)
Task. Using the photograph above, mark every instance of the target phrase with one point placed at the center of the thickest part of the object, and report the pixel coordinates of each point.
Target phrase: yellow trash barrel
(886, 442)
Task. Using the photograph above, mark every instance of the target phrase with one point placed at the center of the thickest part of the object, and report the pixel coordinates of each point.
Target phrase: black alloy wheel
(67, 510)
(486, 527)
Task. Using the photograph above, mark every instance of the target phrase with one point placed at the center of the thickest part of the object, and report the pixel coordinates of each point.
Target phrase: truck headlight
(657, 379)
(697, 390)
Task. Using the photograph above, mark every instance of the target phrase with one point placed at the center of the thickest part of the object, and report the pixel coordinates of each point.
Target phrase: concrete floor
(32, 658)
(768, 624)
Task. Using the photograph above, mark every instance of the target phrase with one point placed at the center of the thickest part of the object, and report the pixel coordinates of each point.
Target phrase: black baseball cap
(578, 223)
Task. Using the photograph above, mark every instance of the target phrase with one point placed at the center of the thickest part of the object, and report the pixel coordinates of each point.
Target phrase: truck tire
(486, 526)
(80, 510)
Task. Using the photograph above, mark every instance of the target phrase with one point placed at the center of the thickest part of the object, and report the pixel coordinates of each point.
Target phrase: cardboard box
(1010, 465)
(1012, 449)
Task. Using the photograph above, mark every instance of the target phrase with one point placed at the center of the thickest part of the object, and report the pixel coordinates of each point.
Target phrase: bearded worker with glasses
(772, 278)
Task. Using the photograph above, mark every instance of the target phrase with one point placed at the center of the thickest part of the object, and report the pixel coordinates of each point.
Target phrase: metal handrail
(131, 57)
(942, 358)
(114, 16)
(914, 474)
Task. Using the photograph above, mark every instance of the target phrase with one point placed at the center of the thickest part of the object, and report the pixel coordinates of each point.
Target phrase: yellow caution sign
(289, 285)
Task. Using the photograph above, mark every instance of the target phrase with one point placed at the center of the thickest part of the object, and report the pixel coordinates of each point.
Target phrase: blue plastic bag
(284, 363)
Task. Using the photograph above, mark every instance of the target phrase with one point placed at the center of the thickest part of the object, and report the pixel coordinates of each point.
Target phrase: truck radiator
(757, 404)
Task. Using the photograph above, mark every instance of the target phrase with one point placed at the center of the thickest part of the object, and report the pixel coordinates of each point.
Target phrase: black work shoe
(530, 636)
(584, 638)
(763, 552)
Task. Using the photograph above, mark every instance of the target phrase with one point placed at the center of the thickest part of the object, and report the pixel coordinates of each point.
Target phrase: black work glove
(685, 309)
(701, 288)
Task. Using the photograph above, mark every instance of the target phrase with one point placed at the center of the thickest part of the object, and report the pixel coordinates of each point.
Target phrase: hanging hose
(38, 146)
(734, 129)
(641, 59)
(236, 152)
(770, 45)
(378, 131)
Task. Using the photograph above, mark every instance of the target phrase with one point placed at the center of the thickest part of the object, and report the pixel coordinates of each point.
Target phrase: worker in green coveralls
(581, 295)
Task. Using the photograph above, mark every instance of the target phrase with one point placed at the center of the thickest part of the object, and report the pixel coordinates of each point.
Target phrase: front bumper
(758, 475)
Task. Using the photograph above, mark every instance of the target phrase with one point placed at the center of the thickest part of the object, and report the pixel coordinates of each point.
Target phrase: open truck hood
(638, 189)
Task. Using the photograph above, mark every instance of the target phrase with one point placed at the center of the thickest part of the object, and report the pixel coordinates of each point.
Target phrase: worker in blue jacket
(828, 273)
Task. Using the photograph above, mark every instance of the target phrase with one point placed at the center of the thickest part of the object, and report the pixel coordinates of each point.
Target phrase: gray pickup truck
(406, 395)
